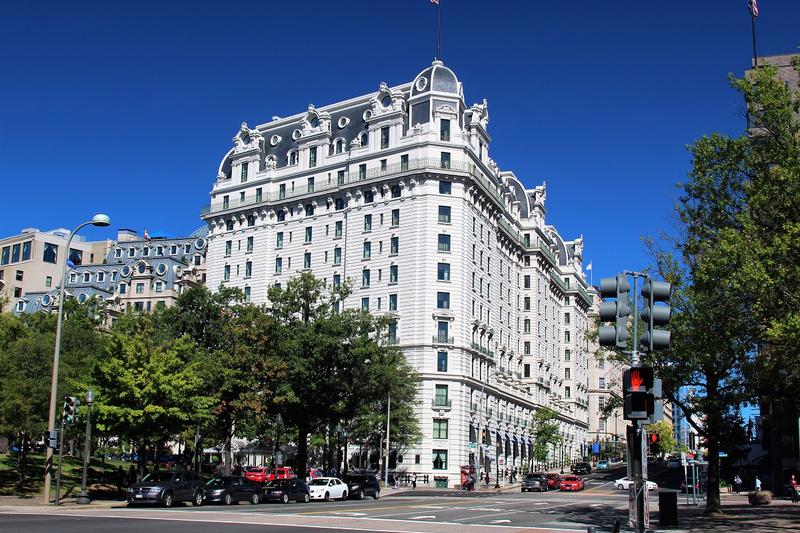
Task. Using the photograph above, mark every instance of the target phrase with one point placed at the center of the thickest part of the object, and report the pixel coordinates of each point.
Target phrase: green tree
(149, 385)
(545, 432)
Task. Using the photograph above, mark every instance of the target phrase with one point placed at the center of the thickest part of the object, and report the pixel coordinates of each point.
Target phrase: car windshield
(155, 477)
(219, 482)
(533, 476)
(282, 483)
(319, 481)
(258, 470)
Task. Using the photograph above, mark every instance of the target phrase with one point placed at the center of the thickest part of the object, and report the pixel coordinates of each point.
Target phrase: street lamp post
(84, 496)
(97, 220)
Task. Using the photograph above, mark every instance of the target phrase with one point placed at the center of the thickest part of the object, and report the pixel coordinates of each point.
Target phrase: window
(445, 160)
(395, 217)
(445, 187)
(443, 272)
(159, 286)
(385, 137)
(442, 300)
(393, 302)
(362, 171)
(140, 288)
(337, 230)
(566, 318)
(527, 304)
(601, 403)
(527, 282)
(526, 348)
(281, 191)
(602, 383)
(48, 281)
(247, 294)
(278, 265)
(439, 459)
(309, 234)
(369, 197)
(384, 165)
(259, 195)
(394, 245)
(50, 253)
(444, 214)
(443, 329)
(307, 260)
(20, 274)
(339, 146)
(566, 336)
(367, 222)
(527, 325)
(567, 392)
(392, 328)
(365, 278)
(15, 253)
(439, 428)
(292, 158)
(248, 269)
(444, 242)
(228, 248)
(279, 240)
(26, 250)
(117, 253)
(337, 281)
(444, 130)
(337, 256)
(440, 395)
(395, 190)
(312, 162)
(567, 355)
(441, 361)
(226, 273)
(281, 215)
(122, 288)
(244, 171)
(226, 202)
(602, 425)
(249, 244)
(367, 250)
(87, 277)
(404, 162)
(567, 373)
(393, 274)
(526, 370)
(365, 304)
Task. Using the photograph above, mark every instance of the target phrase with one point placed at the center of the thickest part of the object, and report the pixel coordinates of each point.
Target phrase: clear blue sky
(127, 107)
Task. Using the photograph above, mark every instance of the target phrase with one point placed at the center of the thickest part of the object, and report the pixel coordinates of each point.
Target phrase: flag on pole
(70, 264)
(146, 235)
(589, 266)
(435, 2)
(751, 4)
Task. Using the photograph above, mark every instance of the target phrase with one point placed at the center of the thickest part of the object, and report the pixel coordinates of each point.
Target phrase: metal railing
(441, 402)
(442, 339)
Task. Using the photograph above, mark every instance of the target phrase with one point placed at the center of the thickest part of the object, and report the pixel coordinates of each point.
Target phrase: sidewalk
(738, 516)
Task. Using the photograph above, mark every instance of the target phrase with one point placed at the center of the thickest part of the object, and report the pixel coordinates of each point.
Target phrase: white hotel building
(397, 191)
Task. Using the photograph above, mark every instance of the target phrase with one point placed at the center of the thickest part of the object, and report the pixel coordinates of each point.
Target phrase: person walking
(795, 487)
(737, 483)
(488, 479)
(414, 481)
(758, 484)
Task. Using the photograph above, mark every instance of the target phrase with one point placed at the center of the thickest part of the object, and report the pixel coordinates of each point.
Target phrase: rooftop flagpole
(438, 54)
(753, 7)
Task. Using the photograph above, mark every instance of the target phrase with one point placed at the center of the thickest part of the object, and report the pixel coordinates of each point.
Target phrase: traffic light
(655, 315)
(70, 413)
(617, 312)
(638, 400)
(655, 445)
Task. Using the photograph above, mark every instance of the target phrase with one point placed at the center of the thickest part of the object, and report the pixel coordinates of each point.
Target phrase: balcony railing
(441, 403)
(442, 339)
(355, 175)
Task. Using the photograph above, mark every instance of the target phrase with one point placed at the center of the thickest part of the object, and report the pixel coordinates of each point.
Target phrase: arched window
(339, 146)
(292, 158)
(363, 139)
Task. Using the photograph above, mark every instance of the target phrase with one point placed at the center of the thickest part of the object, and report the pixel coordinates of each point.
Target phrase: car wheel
(167, 499)
(620, 487)
(254, 499)
(285, 498)
(327, 497)
(361, 494)
(306, 498)
(344, 496)
(377, 494)
(197, 501)
(228, 499)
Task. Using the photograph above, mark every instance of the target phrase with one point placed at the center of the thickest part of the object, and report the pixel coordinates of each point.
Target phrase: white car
(625, 484)
(328, 488)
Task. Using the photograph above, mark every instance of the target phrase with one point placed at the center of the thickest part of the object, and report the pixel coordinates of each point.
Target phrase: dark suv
(361, 485)
(581, 468)
(534, 481)
(167, 488)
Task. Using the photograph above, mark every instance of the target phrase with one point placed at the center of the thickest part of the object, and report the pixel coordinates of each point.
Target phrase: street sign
(501, 461)
(596, 448)
(472, 445)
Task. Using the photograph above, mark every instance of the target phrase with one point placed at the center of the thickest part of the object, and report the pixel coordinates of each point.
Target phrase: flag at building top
(146, 235)
(589, 266)
(435, 2)
(70, 264)
(752, 4)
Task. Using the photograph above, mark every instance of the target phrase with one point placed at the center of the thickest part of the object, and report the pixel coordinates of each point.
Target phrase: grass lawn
(100, 486)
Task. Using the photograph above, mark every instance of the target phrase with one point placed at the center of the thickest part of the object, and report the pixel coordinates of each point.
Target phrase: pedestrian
(414, 481)
(795, 487)
(488, 479)
(131, 475)
(758, 484)
(737, 483)
(397, 481)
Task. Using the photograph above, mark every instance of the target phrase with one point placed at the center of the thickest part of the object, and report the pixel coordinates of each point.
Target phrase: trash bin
(667, 508)
(440, 482)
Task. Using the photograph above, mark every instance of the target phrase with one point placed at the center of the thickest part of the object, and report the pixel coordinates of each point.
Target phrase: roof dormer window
(292, 158)
(131, 252)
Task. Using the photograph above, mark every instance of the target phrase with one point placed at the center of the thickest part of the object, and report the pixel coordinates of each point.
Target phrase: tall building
(397, 191)
(31, 261)
(135, 273)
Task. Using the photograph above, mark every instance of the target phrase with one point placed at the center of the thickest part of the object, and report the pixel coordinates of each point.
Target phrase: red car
(553, 480)
(282, 472)
(257, 474)
(572, 483)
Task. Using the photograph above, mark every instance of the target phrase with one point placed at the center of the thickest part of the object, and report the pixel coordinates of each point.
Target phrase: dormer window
(363, 139)
(314, 122)
(159, 250)
(292, 158)
(117, 253)
(87, 277)
(339, 146)
(101, 277)
(73, 278)
(146, 251)
(131, 252)
(387, 101)
(173, 250)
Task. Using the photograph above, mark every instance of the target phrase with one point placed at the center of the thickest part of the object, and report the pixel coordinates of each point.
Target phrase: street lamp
(99, 220)
(84, 496)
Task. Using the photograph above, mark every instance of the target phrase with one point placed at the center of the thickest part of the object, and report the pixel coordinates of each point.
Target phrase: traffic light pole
(60, 456)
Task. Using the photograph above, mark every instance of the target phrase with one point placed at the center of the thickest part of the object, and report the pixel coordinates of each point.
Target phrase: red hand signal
(636, 380)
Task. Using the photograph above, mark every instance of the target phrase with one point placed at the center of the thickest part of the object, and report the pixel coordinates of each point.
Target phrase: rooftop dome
(436, 78)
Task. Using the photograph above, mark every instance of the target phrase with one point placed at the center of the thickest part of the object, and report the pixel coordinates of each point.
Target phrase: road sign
(501, 461)
(472, 445)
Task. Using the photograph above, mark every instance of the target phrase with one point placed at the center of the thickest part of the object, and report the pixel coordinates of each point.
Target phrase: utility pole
(388, 419)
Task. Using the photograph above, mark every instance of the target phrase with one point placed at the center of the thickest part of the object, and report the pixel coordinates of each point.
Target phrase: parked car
(282, 472)
(602, 465)
(535, 481)
(257, 474)
(572, 483)
(625, 483)
(361, 485)
(167, 489)
(553, 480)
(673, 463)
(327, 488)
(230, 489)
(581, 468)
(314, 473)
(285, 490)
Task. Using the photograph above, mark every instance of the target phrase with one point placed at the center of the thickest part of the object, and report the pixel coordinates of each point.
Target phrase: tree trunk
(227, 455)
(22, 459)
(713, 421)
(142, 459)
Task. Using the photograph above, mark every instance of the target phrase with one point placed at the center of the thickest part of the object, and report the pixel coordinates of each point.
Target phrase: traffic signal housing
(653, 315)
(616, 312)
(70, 413)
(638, 399)
(655, 443)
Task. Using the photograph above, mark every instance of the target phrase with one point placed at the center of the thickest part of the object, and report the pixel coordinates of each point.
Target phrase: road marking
(501, 521)
(349, 513)
(424, 517)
